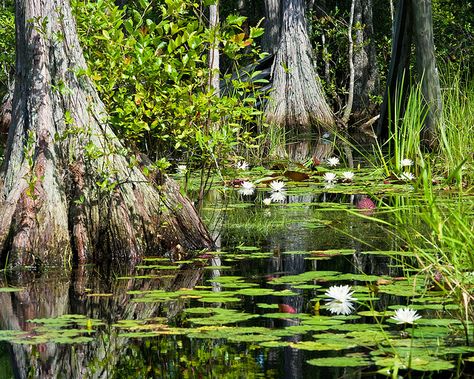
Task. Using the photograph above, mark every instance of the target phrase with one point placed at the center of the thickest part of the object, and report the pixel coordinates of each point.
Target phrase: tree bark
(426, 67)
(297, 102)
(272, 25)
(68, 185)
(365, 59)
(214, 77)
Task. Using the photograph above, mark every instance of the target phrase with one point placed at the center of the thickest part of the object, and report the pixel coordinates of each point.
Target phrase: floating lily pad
(346, 361)
(304, 277)
(325, 345)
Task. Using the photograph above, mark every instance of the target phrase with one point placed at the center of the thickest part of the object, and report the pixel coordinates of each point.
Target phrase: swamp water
(255, 308)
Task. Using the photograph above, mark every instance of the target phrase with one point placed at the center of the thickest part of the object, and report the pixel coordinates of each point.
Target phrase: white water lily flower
(277, 186)
(267, 201)
(406, 162)
(181, 169)
(247, 188)
(278, 197)
(405, 316)
(330, 177)
(341, 308)
(242, 165)
(340, 293)
(348, 175)
(407, 176)
(333, 161)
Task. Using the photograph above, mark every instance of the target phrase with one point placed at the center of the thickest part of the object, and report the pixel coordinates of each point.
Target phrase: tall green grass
(456, 131)
(452, 159)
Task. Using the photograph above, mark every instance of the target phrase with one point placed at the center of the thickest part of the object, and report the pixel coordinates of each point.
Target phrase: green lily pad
(346, 361)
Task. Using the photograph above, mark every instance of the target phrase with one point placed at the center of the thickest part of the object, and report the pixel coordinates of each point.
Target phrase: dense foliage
(150, 65)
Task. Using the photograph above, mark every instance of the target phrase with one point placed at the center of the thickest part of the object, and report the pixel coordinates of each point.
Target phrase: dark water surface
(149, 322)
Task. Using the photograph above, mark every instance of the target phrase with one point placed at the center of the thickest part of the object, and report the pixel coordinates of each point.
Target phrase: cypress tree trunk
(426, 67)
(67, 183)
(297, 102)
(365, 59)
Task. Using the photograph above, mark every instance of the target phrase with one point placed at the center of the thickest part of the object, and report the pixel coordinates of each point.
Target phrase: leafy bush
(149, 63)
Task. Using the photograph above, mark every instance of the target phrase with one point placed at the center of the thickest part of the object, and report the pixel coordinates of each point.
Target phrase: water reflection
(310, 222)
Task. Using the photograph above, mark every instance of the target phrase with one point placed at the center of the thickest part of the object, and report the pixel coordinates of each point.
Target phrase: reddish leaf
(285, 308)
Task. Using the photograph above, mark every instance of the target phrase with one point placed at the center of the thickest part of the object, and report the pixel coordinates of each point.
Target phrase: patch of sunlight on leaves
(345, 361)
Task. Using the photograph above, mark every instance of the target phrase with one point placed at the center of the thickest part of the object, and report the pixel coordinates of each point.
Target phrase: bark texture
(273, 21)
(297, 101)
(426, 67)
(366, 79)
(68, 185)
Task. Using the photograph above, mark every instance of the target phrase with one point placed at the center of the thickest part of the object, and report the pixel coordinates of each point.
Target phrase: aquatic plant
(333, 161)
(340, 293)
(247, 188)
(277, 186)
(405, 316)
(242, 165)
(348, 175)
(278, 197)
(407, 176)
(341, 307)
(330, 177)
(406, 162)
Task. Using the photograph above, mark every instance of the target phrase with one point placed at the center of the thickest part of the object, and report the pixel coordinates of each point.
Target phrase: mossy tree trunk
(68, 186)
